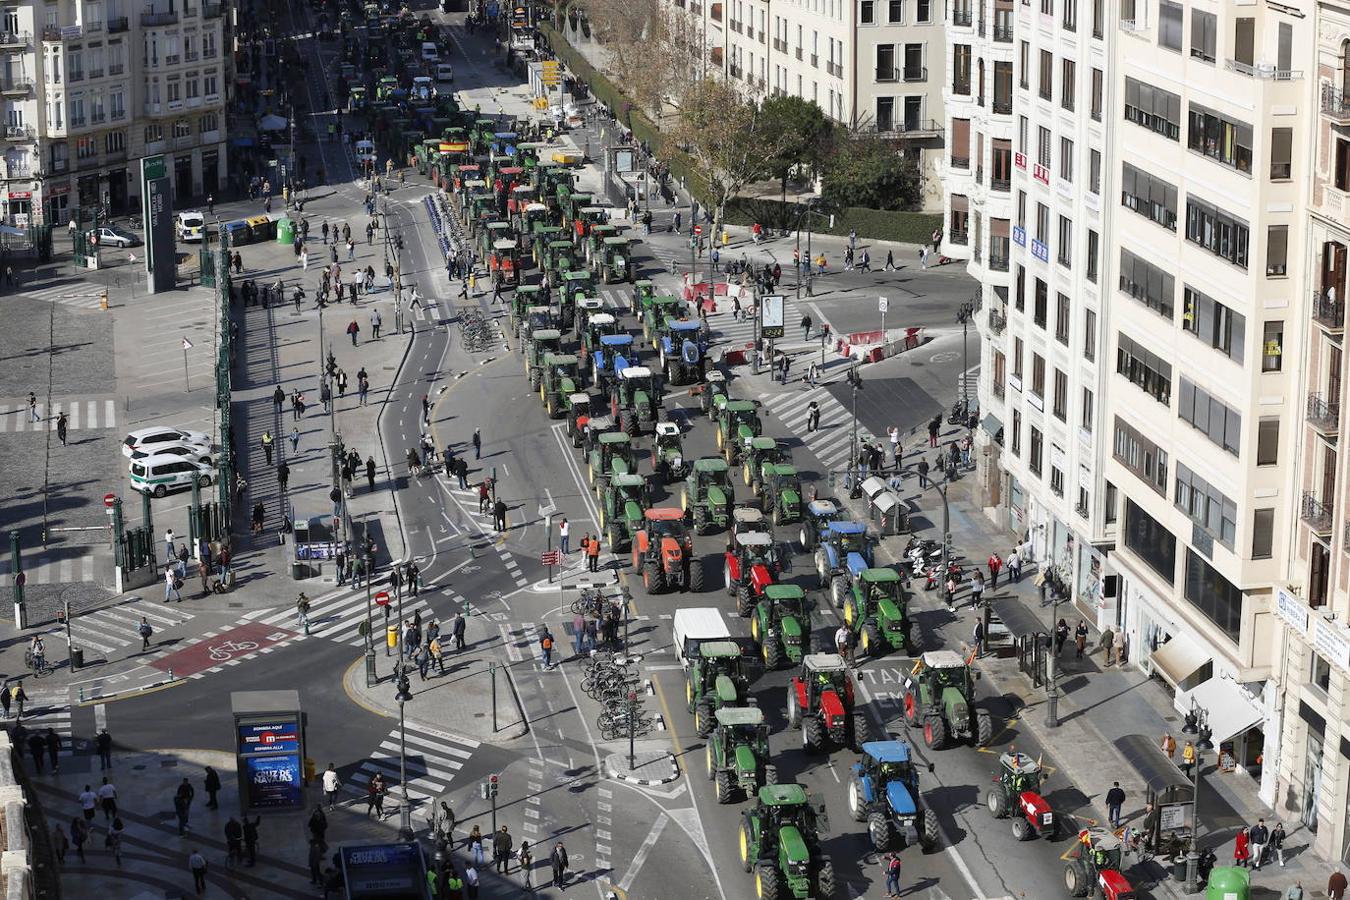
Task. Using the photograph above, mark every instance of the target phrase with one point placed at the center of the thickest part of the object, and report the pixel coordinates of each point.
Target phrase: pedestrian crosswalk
(831, 441)
(339, 616)
(432, 757)
(81, 295)
(46, 570)
(81, 414)
(47, 708)
(730, 333)
(113, 629)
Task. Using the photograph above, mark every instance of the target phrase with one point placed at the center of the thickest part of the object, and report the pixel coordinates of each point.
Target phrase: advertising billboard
(269, 756)
(771, 316)
(269, 737)
(274, 782)
(385, 871)
(161, 259)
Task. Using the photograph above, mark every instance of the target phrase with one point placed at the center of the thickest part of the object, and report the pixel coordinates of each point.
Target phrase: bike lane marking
(224, 648)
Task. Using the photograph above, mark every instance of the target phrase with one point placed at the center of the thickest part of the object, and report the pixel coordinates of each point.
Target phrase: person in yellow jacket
(1188, 758)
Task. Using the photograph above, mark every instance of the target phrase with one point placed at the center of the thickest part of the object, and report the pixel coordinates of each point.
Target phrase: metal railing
(1003, 107)
(1003, 34)
(998, 263)
(1317, 514)
(212, 10)
(998, 321)
(1003, 185)
(19, 132)
(1328, 313)
(116, 68)
(958, 237)
(172, 59)
(14, 39)
(1323, 414)
(1263, 70)
(916, 73)
(118, 24)
(961, 86)
(961, 18)
(960, 162)
(156, 19)
(19, 85)
(888, 73)
(1335, 103)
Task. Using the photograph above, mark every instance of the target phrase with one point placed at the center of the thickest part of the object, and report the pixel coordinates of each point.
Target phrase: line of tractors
(608, 384)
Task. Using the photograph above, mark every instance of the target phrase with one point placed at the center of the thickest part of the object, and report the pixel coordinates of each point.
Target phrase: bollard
(81, 694)
(171, 673)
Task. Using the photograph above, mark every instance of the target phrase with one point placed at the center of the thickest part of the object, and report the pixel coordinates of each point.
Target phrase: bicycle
(37, 665)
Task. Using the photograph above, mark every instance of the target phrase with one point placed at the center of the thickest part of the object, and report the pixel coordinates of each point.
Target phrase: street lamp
(1052, 674)
(367, 558)
(855, 385)
(1193, 855)
(403, 694)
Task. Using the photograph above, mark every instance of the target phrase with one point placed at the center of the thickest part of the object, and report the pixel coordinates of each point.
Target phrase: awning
(1159, 773)
(272, 122)
(1179, 659)
(1231, 709)
(991, 424)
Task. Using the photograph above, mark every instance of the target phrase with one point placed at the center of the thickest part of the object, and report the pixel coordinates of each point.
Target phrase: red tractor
(1016, 792)
(821, 703)
(750, 567)
(1092, 867)
(663, 551)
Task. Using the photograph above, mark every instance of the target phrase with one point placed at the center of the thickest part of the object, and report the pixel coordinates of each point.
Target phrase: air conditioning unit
(1265, 70)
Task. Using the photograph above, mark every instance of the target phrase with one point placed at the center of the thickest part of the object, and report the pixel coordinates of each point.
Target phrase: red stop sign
(382, 598)
(109, 499)
(698, 229)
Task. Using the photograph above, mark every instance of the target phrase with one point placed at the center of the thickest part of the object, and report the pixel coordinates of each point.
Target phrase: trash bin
(1179, 868)
(299, 570)
(890, 513)
(391, 636)
(76, 658)
(285, 231)
(1228, 883)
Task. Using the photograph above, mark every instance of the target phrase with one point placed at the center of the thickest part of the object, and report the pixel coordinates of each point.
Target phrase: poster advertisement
(383, 870)
(771, 316)
(274, 782)
(269, 737)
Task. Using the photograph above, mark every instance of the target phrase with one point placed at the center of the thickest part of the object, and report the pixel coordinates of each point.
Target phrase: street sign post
(550, 558)
(187, 345)
(698, 230)
(382, 598)
(883, 305)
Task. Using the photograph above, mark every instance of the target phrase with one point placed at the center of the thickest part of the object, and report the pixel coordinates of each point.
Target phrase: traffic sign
(883, 304)
(550, 557)
(187, 345)
(382, 598)
(109, 500)
(698, 229)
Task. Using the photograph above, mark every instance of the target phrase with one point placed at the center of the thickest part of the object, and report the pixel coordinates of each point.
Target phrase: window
(1215, 596)
(1047, 7)
(1066, 159)
(1282, 155)
(1089, 335)
(1017, 358)
(1217, 137)
(1039, 312)
(1218, 232)
(182, 128)
(1038, 375)
(1206, 506)
(1144, 370)
(1003, 88)
(210, 86)
(1217, 420)
(86, 148)
(1062, 318)
(1019, 298)
(1042, 223)
(1151, 197)
(1060, 403)
(1068, 83)
(1109, 504)
(1046, 84)
(1277, 251)
(154, 133)
(1204, 30)
(1145, 282)
(961, 69)
(1035, 445)
(1025, 67)
(1141, 456)
(1153, 108)
(1097, 88)
(1150, 541)
(1320, 677)
(1263, 533)
(1017, 432)
(1093, 251)
(1021, 134)
(175, 93)
(885, 120)
(193, 87)
(1070, 18)
(895, 11)
(1268, 442)
(886, 62)
(208, 122)
(115, 142)
(1095, 171)
(1215, 324)
(867, 12)
(1086, 417)
(1065, 252)
(1272, 347)
(922, 12)
(1169, 24)
(1043, 146)
(1098, 18)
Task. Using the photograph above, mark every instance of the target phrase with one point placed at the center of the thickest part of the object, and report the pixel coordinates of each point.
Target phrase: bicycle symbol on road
(226, 651)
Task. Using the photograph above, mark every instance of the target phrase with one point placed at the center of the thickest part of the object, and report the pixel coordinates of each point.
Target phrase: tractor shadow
(948, 800)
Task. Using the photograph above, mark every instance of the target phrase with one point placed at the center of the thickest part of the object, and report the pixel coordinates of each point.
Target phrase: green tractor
(525, 297)
(612, 455)
(737, 753)
(635, 399)
(780, 844)
(643, 290)
(760, 453)
(780, 493)
(707, 496)
(541, 238)
(668, 462)
(717, 677)
(556, 258)
(653, 314)
(598, 325)
(877, 611)
(621, 509)
(939, 696)
(542, 342)
(615, 260)
(572, 289)
(781, 624)
(585, 309)
(561, 379)
(737, 424)
(713, 395)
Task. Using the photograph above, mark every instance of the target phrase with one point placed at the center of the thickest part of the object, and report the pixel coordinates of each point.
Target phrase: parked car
(116, 236)
(193, 452)
(162, 436)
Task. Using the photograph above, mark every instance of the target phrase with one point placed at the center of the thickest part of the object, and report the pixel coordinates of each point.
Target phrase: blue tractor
(683, 345)
(615, 353)
(883, 791)
(844, 550)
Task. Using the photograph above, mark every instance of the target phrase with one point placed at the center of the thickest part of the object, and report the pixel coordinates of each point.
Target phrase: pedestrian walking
(103, 743)
(266, 441)
(499, 515)
(79, 833)
(995, 565)
(812, 416)
(1014, 565)
(283, 476)
(1336, 885)
(212, 785)
(197, 864)
(1168, 745)
(172, 583)
(593, 554)
(1061, 635)
(1257, 838)
(169, 550)
(278, 400)
(558, 861)
(375, 322)
(891, 865)
(546, 647)
(526, 860)
(353, 329)
(1276, 845)
(32, 408)
(331, 785)
(1242, 849)
(457, 630)
(502, 844)
(1080, 635)
(375, 797)
(88, 801)
(843, 640)
(934, 425)
(1295, 891)
(1188, 758)
(477, 444)
(977, 637)
(295, 439)
(60, 842)
(976, 589)
(923, 473)
(107, 800)
(62, 424)
(1115, 799)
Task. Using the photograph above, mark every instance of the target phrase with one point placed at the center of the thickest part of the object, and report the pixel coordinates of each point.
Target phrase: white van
(694, 626)
(161, 473)
(430, 53)
(365, 151)
(445, 72)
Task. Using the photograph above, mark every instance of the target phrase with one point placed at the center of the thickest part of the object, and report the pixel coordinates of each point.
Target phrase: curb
(615, 762)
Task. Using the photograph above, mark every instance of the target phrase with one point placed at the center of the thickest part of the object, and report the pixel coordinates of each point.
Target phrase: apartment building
(91, 87)
(1312, 642)
(872, 65)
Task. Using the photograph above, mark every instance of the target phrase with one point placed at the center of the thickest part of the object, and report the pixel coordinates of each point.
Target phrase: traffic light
(492, 785)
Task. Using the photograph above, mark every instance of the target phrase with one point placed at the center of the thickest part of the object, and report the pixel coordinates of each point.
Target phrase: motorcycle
(934, 577)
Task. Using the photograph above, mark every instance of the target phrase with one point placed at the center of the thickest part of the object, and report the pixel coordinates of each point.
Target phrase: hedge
(876, 224)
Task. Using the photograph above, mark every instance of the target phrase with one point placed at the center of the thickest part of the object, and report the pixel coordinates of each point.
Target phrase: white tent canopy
(272, 122)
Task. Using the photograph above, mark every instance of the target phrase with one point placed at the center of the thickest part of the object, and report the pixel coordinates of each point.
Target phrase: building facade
(91, 87)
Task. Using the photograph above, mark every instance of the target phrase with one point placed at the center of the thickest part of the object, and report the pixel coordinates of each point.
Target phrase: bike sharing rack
(887, 511)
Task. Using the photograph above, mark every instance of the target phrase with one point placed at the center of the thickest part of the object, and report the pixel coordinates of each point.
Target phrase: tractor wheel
(777, 514)
(747, 838)
(767, 882)
(822, 568)
(997, 801)
(754, 628)
(534, 379)
(838, 590)
(745, 473)
(861, 729)
(911, 709)
(872, 644)
(701, 520)
(794, 710)
(802, 538)
(770, 774)
(879, 831)
(727, 580)
(856, 807)
(984, 728)
(825, 887)
(773, 653)
(705, 719)
(850, 610)
(725, 789)
(696, 576)
(590, 472)
(911, 637)
(813, 734)
(708, 759)
(929, 835)
(1075, 880)
(1021, 829)
(614, 536)
(653, 579)
(935, 732)
(745, 603)
(629, 424)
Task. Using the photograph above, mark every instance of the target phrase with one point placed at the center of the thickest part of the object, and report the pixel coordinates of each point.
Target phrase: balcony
(93, 27)
(118, 24)
(887, 73)
(1002, 185)
(212, 10)
(998, 321)
(961, 18)
(979, 174)
(53, 32)
(1315, 513)
(95, 73)
(960, 162)
(19, 133)
(998, 263)
(1265, 70)
(21, 170)
(835, 69)
(960, 238)
(780, 45)
(1003, 34)
(172, 59)
(1323, 414)
(1335, 105)
(116, 68)
(961, 86)
(14, 40)
(1000, 390)
(16, 87)
(734, 71)
(1003, 107)
(916, 73)
(815, 61)
(1328, 313)
(799, 53)
(158, 19)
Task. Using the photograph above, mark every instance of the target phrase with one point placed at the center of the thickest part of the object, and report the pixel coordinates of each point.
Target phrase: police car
(189, 227)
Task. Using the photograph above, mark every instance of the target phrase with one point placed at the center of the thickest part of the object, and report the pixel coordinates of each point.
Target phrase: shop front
(56, 202)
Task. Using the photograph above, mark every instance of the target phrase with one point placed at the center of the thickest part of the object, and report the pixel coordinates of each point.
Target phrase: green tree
(805, 131)
(870, 171)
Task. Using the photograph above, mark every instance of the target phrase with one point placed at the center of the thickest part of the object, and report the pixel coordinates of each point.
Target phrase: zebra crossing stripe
(432, 760)
(81, 415)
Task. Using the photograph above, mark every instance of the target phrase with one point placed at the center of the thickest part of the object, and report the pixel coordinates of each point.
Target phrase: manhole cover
(236, 605)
